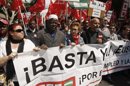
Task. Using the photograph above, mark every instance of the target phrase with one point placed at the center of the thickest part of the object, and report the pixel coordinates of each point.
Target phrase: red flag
(79, 14)
(16, 4)
(113, 17)
(20, 15)
(32, 17)
(75, 13)
(25, 19)
(108, 5)
(84, 14)
(37, 17)
(38, 6)
(39, 20)
(58, 8)
(3, 2)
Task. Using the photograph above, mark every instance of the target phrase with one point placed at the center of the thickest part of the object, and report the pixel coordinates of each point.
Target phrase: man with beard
(51, 36)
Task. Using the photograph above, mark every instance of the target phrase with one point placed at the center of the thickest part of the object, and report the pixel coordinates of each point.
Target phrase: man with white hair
(92, 35)
(51, 36)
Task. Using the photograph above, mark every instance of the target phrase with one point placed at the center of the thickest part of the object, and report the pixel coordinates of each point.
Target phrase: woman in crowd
(74, 37)
(15, 43)
(113, 35)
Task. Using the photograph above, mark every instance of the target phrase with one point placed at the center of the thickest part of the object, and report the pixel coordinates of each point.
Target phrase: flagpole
(66, 17)
(80, 11)
(37, 15)
(7, 16)
(23, 21)
(5, 10)
(26, 12)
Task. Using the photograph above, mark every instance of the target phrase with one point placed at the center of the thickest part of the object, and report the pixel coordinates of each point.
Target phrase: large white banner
(72, 66)
(116, 57)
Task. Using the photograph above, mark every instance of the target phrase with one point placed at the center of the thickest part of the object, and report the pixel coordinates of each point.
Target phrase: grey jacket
(45, 38)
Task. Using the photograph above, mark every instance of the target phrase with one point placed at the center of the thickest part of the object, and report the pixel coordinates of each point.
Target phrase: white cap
(53, 16)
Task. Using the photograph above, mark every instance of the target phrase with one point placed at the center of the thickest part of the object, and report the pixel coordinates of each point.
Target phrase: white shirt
(28, 46)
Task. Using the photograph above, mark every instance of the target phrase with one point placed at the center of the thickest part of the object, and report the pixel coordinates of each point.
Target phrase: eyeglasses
(18, 30)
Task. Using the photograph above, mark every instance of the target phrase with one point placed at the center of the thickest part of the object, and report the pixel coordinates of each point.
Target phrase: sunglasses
(3, 26)
(18, 30)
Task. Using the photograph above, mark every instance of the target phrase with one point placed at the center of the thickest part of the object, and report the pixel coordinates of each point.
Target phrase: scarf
(76, 39)
(10, 71)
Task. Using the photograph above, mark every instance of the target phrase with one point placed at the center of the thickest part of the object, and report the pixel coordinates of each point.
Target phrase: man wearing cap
(51, 36)
(3, 27)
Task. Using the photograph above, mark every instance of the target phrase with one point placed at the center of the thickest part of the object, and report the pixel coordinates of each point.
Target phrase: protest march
(64, 42)
(74, 66)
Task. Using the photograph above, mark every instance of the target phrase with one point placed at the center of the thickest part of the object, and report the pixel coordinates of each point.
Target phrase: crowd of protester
(15, 38)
